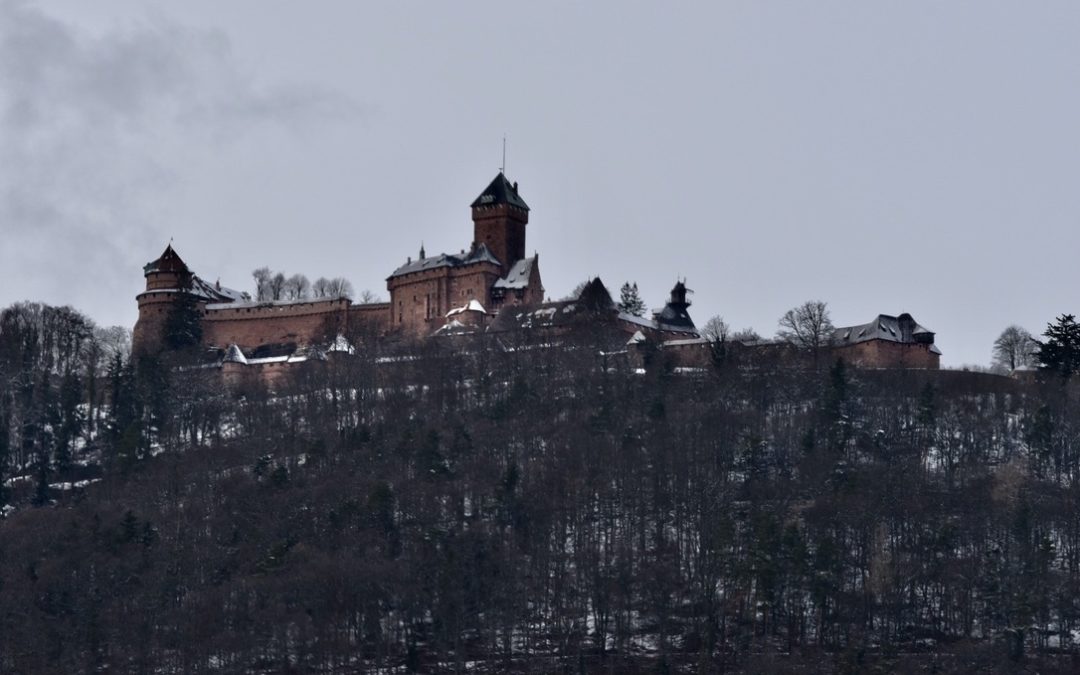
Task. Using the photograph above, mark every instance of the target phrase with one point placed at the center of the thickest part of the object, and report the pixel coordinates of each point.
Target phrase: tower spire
(502, 169)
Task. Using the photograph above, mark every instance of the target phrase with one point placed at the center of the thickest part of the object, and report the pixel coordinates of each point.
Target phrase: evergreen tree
(1060, 352)
(630, 301)
(183, 326)
(124, 424)
(68, 419)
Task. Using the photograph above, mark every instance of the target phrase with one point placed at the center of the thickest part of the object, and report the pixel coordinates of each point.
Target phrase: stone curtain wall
(249, 326)
(885, 354)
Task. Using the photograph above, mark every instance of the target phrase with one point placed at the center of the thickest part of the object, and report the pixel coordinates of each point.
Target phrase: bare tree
(297, 287)
(1014, 348)
(263, 278)
(339, 287)
(320, 288)
(114, 340)
(576, 293)
(745, 335)
(276, 287)
(368, 297)
(807, 327)
(716, 329)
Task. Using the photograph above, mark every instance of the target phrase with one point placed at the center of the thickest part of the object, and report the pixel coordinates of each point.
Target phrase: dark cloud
(89, 130)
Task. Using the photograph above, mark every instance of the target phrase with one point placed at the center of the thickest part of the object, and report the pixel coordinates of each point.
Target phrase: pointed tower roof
(500, 191)
(168, 261)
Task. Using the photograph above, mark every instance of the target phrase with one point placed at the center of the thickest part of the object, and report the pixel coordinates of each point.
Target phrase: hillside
(471, 507)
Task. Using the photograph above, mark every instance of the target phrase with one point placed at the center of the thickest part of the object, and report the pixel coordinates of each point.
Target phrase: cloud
(90, 124)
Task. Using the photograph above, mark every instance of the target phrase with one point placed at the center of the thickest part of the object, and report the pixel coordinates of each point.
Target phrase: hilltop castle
(489, 287)
(439, 294)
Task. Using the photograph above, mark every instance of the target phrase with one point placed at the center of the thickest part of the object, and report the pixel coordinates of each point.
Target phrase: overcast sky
(881, 156)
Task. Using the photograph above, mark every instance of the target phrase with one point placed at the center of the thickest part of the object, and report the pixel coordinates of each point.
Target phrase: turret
(166, 278)
(674, 315)
(499, 218)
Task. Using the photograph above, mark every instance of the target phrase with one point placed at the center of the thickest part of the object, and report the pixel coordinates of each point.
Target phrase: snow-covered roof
(685, 342)
(454, 327)
(341, 345)
(637, 338)
(478, 255)
(636, 320)
(234, 355)
(471, 306)
(655, 324)
(216, 292)
(518, 276)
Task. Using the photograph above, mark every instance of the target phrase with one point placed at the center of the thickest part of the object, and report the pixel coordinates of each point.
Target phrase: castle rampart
(249, 325)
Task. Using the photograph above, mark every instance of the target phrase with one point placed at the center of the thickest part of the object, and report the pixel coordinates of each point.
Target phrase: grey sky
(883, 157)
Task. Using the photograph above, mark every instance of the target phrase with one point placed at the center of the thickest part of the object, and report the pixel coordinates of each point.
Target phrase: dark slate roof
(674, 317)
(594, 296)
(168, 261)
(501, 191)
(903, 329)
(215, 293)
(478, 255)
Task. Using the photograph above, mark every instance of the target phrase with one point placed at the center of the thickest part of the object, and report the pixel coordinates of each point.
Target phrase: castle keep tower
(494, 272)
(499, 218)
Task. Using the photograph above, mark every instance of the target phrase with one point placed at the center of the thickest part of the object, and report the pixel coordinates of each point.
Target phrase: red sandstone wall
(419, 302)
(372, 318)
(502, 229)
(148, 335)
(249, 326)
(416, 299)
(885, 354)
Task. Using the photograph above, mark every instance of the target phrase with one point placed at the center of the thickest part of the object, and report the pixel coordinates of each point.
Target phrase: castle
(489, 287)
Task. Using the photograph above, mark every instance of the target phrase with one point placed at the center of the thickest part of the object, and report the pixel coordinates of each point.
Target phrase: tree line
(273, 286)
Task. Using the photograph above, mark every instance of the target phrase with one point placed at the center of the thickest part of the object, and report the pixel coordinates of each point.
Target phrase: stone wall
(419, 301)
(887, 354)
(502, 229)
(149, 332)
(250, 325)
(371, 319)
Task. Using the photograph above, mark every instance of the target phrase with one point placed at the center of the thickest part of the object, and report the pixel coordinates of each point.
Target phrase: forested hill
(539, 510)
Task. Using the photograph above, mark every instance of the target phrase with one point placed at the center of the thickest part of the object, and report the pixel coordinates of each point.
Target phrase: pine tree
(183, 326)
(1060, 352)
(630, 301)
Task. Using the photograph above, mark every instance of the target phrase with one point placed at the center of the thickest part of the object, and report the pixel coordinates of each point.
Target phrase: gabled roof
(234, 355)
(471, 306)
(478, 255)
(216, 293)
(500, 191)
(903, 329)
(519, 274)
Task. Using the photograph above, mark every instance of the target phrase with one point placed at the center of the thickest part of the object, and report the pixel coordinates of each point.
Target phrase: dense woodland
(526, 506)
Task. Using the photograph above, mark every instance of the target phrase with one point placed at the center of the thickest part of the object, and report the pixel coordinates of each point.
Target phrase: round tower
(166, 278)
